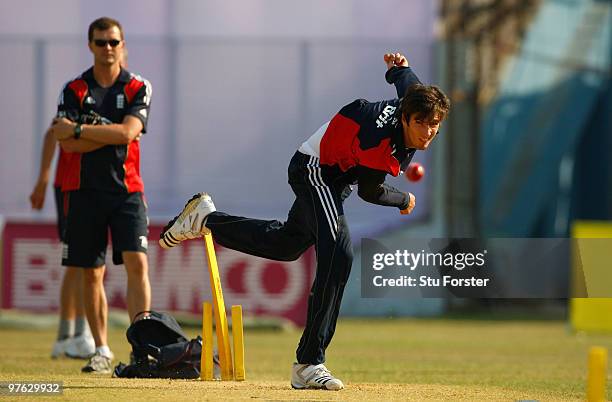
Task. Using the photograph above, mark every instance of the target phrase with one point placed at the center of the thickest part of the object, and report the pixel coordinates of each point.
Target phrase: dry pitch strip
(233, 369)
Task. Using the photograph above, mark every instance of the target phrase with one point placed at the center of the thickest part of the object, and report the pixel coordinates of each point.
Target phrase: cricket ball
(415, 171)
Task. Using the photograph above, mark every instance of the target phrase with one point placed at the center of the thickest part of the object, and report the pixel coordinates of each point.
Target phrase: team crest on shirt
(89, 101)
(120, 101)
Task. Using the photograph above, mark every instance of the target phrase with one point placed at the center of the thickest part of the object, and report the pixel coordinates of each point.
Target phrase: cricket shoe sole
(190, 223)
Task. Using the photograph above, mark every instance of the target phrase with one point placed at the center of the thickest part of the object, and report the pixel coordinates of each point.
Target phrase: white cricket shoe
(190, 223)
(310, 376)
(59, 348)
(99, 364)
(81, 347)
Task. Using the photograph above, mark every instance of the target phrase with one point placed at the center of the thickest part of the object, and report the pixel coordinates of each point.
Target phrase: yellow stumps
(596, 380)
(238, 336)
(590, 273)
(223, 342)
(206, 364)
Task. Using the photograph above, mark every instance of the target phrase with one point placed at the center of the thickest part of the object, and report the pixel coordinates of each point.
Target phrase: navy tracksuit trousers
(316, 217)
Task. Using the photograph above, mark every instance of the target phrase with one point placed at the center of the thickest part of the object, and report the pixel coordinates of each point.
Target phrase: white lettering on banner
(37, 273)
(255, 295)
(179, 277)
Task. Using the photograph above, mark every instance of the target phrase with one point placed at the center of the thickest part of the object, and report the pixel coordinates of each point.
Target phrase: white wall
(237, 86)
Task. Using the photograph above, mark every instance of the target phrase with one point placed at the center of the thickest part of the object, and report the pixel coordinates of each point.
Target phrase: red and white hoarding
(32, 274)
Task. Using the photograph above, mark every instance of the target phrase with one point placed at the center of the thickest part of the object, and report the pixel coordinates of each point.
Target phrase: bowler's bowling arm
(402, 78)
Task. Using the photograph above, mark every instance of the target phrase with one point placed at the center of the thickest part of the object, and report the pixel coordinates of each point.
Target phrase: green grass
(406, 359)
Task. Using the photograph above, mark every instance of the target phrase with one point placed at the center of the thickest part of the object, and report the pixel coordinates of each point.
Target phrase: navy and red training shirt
(364, 141)
(113, 168)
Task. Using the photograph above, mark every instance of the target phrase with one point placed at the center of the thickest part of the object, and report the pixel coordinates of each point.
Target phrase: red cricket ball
(415, 171)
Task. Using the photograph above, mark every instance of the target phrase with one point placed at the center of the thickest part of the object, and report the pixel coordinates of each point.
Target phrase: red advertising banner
(32, 275)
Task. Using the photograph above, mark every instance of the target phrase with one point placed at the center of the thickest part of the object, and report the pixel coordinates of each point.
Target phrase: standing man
(103, 186)
(362, 143)
(73, 336)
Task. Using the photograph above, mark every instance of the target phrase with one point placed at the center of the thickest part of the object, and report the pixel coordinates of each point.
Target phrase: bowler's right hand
(395, 59)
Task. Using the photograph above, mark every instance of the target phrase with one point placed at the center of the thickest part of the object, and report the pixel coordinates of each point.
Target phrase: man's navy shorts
(91, 214)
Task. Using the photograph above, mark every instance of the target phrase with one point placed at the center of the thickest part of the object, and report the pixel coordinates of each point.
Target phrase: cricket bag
(160, 349)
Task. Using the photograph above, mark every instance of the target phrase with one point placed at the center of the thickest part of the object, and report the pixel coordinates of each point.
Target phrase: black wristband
(77, 131)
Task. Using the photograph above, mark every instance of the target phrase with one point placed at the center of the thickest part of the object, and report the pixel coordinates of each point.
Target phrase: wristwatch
(77, 131)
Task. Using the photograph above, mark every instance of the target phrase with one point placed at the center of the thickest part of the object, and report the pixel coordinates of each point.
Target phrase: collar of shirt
(398, 132)
(124, 76)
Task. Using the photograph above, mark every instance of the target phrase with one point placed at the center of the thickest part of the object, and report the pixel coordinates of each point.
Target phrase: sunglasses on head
(104, 42)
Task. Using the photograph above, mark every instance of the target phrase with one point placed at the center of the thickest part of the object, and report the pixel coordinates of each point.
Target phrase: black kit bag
(160, 349)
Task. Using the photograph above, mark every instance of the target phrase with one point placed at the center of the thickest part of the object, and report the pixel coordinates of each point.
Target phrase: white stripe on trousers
(325, 195)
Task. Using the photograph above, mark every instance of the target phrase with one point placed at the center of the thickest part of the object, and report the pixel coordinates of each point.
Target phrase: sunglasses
(104, 42)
